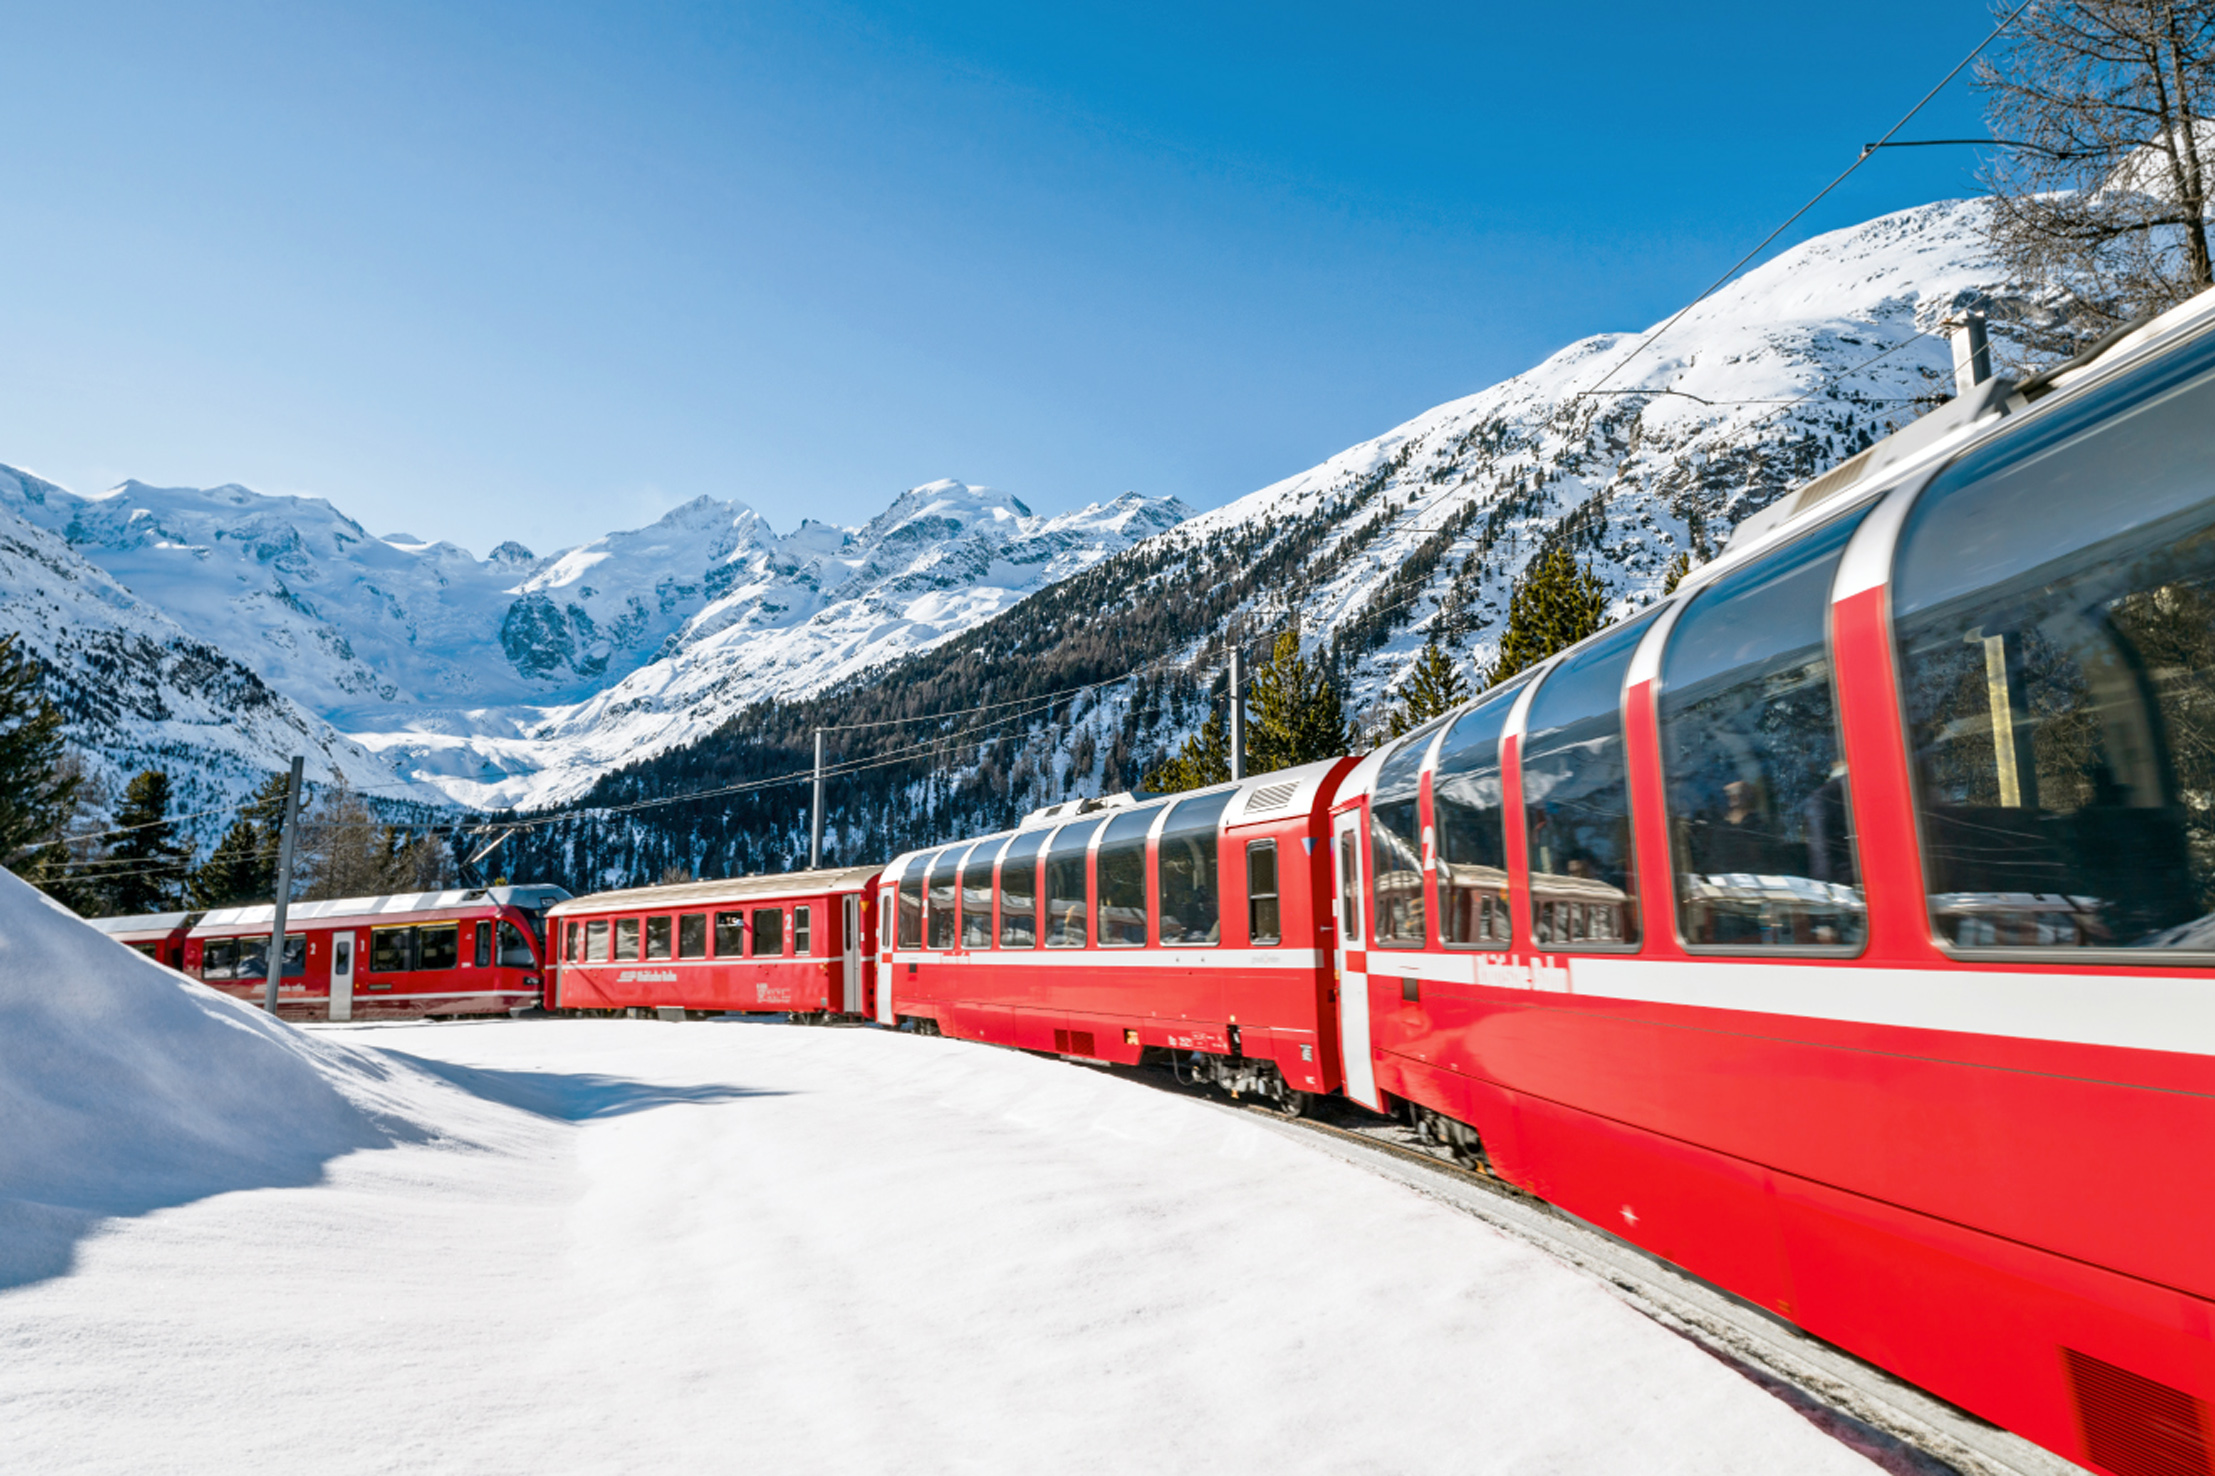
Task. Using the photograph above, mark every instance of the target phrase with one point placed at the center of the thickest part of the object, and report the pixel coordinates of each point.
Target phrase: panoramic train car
(795, 944)
(478, 952)
(1192, 926)
(158, 935)
(1843, 928)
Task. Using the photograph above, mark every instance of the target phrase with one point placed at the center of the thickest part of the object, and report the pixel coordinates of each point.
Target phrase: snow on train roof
(527, 897)
(142, 922)
(805, 883)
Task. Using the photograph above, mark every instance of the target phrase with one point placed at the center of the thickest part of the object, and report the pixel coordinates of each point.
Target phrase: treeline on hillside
(108, 856)
(690, 812)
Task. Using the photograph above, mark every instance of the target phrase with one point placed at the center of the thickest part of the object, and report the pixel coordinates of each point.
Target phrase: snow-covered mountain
(1775, 378)
(517, 680)
(1628, 449)
(140, 690)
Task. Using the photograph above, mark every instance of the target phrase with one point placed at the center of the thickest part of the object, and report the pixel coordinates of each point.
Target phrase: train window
(1349, 894)
(1264, 923)
(596, 942)
(976, 896)
(1188, 860)
(438, 947)
(659, 937)
(768, 931)
(1065, 885)
(484, 945)
(1469, 809)
(218, 957)
(515, 949)
(1396, 841)
(730, 934)
(945, 883)
(802, 920)
(251, 959)
(692, 935)
(1019, 890)
(626, 940)
(1760, 831)
(572, 939)
(1121, 866)
(1576, 799)
(391, 950)
(886, 907)
(2054, 605)
(911, 905)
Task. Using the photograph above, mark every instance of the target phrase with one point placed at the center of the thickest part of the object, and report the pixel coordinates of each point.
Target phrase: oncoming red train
(462, 952)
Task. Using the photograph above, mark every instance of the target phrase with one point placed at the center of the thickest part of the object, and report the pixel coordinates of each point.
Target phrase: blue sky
(540, 271)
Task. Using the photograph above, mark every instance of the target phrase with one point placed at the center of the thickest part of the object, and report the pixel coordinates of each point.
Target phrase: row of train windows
(439, 946)
(639, 939)
(248, 958)
(2053, 619)
(1040, 893)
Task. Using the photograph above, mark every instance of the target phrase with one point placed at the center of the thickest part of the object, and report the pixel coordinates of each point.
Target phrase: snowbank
(125, 1086)
(739, 1247)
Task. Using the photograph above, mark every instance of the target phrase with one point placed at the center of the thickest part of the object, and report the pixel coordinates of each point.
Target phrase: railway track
(1895, 1424)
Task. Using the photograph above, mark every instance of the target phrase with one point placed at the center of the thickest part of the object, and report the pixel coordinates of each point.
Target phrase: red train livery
(795, 944)
(1841, 928)
(476, 952)
(1194, 927)
(158, 935)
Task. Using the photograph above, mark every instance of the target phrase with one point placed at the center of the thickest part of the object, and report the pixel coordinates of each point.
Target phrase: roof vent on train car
(1071, 809)
(2136, 1426)
(1272, 797)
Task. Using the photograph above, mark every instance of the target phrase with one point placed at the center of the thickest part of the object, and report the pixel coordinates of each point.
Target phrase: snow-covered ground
(628, 1247)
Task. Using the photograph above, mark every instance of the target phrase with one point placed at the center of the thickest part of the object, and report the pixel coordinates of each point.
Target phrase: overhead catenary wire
(1867, 151)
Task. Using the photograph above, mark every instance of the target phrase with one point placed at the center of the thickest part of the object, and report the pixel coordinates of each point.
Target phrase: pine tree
(243, 867)
(1679, 566)
(148, 863)
(233, 875)
(1554, 606)
(1204, 759)
(1298, 714)
(38, 789)
(1434, 689)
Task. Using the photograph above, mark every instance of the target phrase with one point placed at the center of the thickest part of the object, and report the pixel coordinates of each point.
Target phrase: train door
(888, 911)
(342, 976)
(850, 937)
(1350, 962)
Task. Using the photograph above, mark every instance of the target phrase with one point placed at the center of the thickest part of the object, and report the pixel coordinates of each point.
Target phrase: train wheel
(1297, 1103)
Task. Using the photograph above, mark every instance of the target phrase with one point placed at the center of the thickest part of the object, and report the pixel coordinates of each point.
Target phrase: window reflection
(1759, 826)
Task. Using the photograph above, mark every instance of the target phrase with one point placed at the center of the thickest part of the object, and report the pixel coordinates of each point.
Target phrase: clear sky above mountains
(539, 271)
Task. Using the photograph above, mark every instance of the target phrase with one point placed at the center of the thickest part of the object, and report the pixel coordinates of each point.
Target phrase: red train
(1841, 928)
(1195, 927)
(475, 952)
(158, 935)
(794, 945)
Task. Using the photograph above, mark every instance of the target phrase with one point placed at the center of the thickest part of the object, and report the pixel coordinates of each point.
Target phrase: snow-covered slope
(1772, 380)
(140, 690)
(517, 680)
(800, 613)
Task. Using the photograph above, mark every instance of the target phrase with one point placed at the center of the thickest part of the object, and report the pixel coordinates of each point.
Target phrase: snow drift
(125, 1087)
